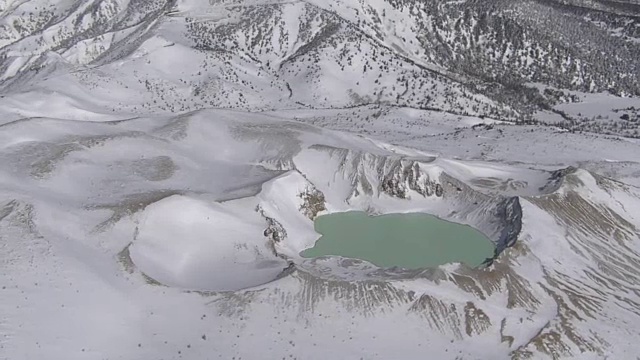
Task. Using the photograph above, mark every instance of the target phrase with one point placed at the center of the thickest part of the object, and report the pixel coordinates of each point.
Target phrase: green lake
(411, 241)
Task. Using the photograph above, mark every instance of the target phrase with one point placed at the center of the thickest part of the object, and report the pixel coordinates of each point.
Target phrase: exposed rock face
(405, 175)
(510, 212)
(371, 174)
(556, 179)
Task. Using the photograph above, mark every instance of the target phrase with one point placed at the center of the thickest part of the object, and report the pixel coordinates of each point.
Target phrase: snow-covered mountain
(162, 162)
(509, 60)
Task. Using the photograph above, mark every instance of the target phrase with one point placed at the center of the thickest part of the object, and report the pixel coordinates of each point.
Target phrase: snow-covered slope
(162, 162)
(119, 238)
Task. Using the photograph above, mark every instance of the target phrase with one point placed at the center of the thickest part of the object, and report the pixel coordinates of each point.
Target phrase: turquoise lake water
(411, 241)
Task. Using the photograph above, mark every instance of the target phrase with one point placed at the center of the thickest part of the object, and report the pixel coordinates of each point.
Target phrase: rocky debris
(313, 202)
(274, 231)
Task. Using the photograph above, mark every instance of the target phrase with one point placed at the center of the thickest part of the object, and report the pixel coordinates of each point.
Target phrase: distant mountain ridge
(472, 57)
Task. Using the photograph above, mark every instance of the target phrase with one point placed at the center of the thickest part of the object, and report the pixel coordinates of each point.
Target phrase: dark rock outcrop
(510, 212)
